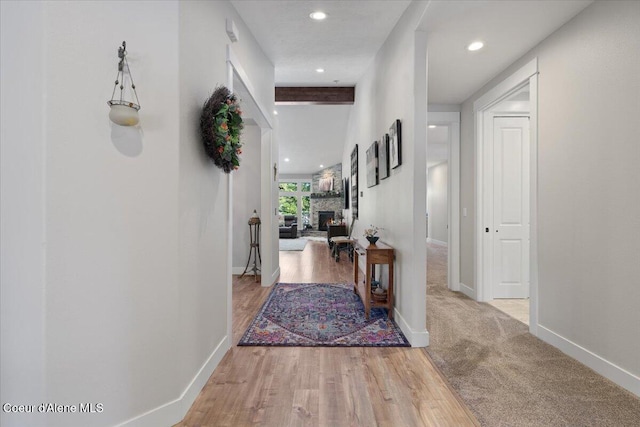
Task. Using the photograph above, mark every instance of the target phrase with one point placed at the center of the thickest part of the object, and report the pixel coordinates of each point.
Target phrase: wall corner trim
(274, 278)
(618, 375)
(232, 59)
(437, 242)
(470, 292)
(173, 412)
(416, 338)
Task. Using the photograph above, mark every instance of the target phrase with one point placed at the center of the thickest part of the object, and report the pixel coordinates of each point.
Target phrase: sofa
(290, 228)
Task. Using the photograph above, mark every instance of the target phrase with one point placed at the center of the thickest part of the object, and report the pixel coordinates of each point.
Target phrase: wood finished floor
(304, 386)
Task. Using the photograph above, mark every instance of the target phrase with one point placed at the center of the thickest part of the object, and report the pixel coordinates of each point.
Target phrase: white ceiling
(310, 136)
(508, 29)
(345, 43)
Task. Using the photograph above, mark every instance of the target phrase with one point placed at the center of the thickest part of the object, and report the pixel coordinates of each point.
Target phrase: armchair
(290, 228)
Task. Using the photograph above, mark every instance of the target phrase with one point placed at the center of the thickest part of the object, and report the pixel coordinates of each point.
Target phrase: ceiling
(346, 42)
(508, 29)
(314, 135)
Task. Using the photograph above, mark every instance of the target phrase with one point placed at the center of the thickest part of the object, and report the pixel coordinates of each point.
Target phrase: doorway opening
(506, 176)
(443, 196)
(257, 186)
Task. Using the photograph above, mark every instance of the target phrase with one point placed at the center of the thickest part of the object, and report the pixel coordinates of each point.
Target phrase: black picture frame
(383, 157)
(372, 165)
(345, 190)
(354, 182)
(395, 144)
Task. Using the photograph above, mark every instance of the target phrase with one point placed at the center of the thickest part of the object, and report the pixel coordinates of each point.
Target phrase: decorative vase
(372, 239)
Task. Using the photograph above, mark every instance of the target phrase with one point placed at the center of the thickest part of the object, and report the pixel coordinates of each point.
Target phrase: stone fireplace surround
(324, 203)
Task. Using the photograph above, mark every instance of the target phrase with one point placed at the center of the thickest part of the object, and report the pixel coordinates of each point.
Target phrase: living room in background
(295, 199)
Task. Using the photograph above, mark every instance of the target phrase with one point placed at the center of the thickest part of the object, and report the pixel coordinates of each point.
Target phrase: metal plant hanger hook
(124, 112)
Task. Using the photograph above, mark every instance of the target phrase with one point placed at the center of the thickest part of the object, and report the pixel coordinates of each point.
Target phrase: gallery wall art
(383, 157)
(372, 165)
(354, 182)
(395, 145)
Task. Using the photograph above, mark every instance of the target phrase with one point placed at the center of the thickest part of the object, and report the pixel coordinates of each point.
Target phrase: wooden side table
(379, 253)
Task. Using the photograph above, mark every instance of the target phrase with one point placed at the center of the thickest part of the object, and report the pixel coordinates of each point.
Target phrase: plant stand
(254, 251)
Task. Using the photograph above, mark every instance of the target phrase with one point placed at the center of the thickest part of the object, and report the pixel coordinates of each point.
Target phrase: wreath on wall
(220, 126)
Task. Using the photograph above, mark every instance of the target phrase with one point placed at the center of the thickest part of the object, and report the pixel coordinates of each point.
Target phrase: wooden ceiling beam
(330, 95)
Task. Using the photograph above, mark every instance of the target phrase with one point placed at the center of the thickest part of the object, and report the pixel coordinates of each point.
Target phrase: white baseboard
(416, 338)
(470, 292)
(602, 366)
(173, 412)
(273, 279)
(437, 242)
(237, 270)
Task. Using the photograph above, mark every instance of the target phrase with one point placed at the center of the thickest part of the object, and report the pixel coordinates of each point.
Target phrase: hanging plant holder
(220, 126)
(124, 112)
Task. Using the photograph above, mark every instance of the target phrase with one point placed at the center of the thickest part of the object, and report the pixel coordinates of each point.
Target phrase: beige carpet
(507, 376)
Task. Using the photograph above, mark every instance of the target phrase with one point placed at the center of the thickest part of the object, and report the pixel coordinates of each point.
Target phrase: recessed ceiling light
(321, 166)
(275, 112)
(318, 16)
(432, 126)
(286, 159)
(475, 46)
(320, 70)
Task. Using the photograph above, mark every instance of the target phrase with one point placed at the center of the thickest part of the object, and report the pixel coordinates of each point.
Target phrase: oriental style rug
(320, 315)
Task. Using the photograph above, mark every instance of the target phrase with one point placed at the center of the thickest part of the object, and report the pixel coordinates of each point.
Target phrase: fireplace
(323, 218)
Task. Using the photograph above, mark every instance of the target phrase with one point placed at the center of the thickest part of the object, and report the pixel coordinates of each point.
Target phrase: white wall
(390, 90)
(246, 196)
(123, 272)
(588, 229)
(437, 206)
(204, 236)
(22, 207)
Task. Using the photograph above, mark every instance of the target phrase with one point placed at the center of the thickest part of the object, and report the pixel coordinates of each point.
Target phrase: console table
(374, 254)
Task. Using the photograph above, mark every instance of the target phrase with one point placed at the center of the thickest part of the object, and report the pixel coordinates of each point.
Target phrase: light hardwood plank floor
(305, 386)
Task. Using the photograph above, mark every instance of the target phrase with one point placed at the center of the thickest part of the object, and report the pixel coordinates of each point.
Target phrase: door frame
(528, 74)
(452, 121)
(269, 224)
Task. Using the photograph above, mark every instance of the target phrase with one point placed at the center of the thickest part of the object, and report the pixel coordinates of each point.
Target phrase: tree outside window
(288, 186)
(288, 205)
(295, 198)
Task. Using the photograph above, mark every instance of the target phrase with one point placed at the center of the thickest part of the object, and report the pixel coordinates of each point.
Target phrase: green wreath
(220, 126)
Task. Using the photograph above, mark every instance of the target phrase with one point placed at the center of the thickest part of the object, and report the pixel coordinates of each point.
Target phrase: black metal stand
(254, 234)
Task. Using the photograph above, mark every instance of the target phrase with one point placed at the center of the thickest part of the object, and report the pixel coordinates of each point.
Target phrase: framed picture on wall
(372, 165)
(383, 157)
(325, 184)
(395, 145)
(354, 182)
(345, 190)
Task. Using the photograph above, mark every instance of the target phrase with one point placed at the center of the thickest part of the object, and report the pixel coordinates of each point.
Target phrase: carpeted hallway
(507, 376)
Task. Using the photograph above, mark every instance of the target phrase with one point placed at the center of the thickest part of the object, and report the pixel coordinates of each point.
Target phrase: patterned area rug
(319, 314)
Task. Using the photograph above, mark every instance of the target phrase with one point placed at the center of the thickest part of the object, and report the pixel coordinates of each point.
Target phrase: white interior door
(510, 207)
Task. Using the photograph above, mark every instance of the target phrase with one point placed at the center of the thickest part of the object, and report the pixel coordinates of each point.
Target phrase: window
(288, 205)
(306, 211)
(289, 186)
(295, 199)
